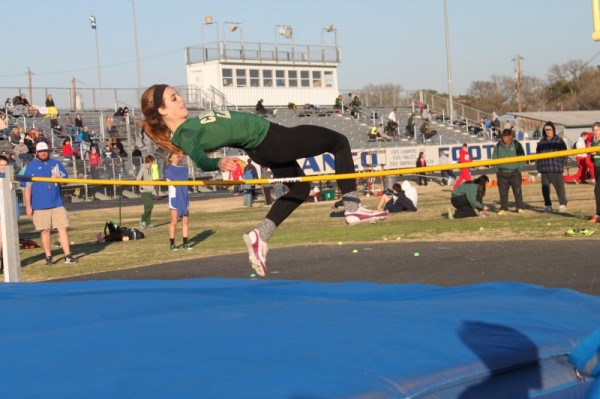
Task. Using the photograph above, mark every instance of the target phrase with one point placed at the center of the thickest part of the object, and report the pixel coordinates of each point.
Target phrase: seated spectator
(410, 126)
(382, 135)
(260, 108)
(338, 102)
(69, 125)
(121, 149)
(8, 106)
(372, 135)
(426, 130)
(397, 201)
(3, 125)
(15, 135)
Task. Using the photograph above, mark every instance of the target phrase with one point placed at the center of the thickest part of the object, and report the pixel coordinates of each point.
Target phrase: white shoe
(562, 208)
(363, 215)
(257, 252)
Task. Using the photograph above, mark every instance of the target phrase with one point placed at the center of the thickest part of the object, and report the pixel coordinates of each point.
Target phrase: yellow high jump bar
(314, 178)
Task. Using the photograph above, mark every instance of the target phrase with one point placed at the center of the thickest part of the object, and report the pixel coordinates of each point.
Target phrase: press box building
(225, 73)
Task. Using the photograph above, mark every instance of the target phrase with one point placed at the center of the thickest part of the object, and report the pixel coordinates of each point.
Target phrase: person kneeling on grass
(397, 201)
(468, 199)
(267, 144)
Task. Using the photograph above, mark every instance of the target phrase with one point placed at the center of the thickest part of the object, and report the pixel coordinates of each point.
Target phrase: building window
(328, 78)
(304, 79)
(267, 78)
(240, 75)
(227, 77)
(293, 78)
(316, 79)
(254, 78)
(280, 78)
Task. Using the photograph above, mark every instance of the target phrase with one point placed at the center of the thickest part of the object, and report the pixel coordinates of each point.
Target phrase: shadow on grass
(198, 238)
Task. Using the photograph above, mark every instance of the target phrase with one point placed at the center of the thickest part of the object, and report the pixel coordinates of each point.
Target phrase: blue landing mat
(218, 338)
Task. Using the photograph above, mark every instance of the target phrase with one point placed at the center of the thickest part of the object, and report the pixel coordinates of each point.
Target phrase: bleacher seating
(357, 129)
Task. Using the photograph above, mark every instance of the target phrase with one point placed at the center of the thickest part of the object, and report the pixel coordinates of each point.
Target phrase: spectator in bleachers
(50, 101)
(8, 106)
(15, 135)
(339, 102)
(30, 143)
(119, 112)
(426, 130)
(356, 104)
(410, 126)
(260, 108)
(372, 136)
(136, 158)
(120, 148)
(69, 125)
(3, 126)
(94, 162)
(382, 133)
(85, 141)
(22, 150)
(392, 116)
(67, 149)
(78, 123)
(425, 112)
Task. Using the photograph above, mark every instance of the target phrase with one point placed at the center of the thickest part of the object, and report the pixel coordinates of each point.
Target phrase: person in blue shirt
(179, 202)
(44, 202)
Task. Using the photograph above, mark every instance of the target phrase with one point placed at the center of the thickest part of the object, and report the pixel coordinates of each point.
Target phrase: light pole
(233, 26)
(285, 31)
(208, 20)
(93, 26)
(448, 63)
(137, 52)
(329, 28)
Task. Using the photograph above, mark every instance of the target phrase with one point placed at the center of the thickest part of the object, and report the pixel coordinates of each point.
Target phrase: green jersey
(212, 130)
(470, 190)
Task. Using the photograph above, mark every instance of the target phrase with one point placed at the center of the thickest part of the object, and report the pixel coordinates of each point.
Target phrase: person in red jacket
(94, 162)
(465, 173)
(67, 150)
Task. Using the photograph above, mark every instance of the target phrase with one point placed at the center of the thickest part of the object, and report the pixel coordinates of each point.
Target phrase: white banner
(403, 157)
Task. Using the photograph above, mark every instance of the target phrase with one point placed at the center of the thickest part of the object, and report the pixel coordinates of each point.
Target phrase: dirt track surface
(552, 264)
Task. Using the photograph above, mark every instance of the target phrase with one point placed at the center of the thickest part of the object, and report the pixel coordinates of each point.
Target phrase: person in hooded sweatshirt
(551, 169)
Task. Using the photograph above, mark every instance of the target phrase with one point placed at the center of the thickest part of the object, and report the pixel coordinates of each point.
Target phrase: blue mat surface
(220, 338)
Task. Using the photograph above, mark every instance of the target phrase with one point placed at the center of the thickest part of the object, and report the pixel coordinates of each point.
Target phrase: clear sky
(382, 41)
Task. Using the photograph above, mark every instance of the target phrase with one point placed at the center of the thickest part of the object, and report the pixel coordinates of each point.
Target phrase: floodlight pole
(448, 63)
(93, 26)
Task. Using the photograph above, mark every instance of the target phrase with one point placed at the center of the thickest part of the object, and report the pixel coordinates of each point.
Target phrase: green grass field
(216, 227)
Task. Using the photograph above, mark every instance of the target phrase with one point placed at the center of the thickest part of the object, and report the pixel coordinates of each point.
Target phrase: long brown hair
(154, 126)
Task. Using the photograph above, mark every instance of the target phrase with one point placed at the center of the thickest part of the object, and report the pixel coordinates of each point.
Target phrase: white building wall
(209, 75)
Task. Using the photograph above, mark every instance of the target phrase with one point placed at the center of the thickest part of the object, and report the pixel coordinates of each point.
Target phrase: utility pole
(73, 95)
(29, 82)
(519, 78)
